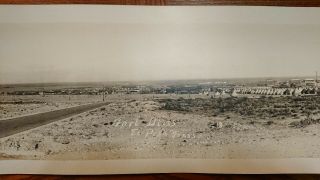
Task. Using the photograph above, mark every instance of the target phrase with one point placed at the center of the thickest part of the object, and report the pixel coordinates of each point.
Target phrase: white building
(309, 82)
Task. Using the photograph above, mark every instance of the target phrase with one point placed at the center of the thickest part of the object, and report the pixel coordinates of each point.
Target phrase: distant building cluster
(293, 87)
(277, 91)
(293, 83)
(73, 91)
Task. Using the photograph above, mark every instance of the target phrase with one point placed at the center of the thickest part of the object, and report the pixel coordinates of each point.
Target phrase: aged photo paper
(92, 89)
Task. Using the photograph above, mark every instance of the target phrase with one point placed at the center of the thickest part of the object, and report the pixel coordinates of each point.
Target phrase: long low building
(277, 91)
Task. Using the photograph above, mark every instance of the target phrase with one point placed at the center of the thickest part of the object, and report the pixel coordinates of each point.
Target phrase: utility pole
(316, 79)
(103, 93)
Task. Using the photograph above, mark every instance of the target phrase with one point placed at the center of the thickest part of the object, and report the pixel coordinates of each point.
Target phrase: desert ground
(15, 106)
(167, 126)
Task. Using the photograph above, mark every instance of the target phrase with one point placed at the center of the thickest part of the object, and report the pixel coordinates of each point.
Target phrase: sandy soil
(142, 129)
(37, 104)
(11, 106)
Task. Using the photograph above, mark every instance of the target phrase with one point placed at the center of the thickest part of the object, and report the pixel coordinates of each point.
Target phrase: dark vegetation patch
(22, 102)
(266, 107)
(305, 122)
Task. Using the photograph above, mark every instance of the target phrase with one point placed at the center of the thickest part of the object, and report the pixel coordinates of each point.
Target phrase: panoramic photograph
(157, 88)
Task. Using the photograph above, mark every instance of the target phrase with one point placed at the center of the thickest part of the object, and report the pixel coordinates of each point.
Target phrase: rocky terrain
(148, 127)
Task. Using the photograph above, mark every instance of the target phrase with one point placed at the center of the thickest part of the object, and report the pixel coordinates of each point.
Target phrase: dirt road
(19, 124)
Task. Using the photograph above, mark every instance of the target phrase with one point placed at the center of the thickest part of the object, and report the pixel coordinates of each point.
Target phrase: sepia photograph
(127, 83)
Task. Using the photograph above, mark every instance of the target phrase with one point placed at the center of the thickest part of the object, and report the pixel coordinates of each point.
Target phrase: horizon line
(126, 81)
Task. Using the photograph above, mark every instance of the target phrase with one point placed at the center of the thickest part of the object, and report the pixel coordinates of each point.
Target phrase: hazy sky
(144, 46)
